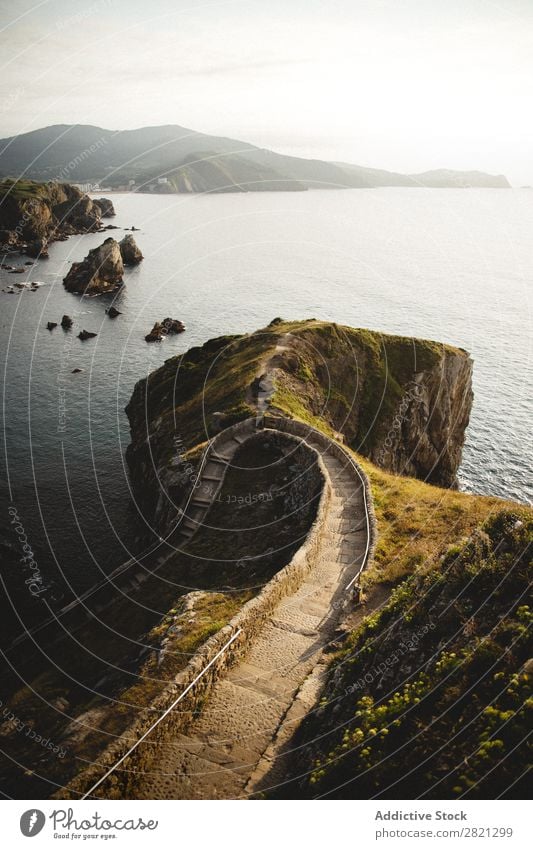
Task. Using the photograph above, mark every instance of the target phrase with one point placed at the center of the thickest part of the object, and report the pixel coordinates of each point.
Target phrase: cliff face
(426, 434)
(401, 402)
(32, 211)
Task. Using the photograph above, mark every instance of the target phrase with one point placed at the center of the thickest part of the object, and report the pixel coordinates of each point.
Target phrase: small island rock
(101, 271)
(107, 210)
(163, 328)
(131, 254)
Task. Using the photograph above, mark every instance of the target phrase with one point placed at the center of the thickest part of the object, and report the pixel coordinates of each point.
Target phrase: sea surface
(451, 265)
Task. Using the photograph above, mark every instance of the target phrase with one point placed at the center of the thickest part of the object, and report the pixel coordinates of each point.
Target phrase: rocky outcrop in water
(404, 403)
(107, 210)
(78, 215)
(35, 214)
(163, 328)
(100, 272)
(131, 254)
(38, 249)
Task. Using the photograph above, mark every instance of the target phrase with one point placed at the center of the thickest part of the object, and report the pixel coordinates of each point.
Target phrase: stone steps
(247, 708)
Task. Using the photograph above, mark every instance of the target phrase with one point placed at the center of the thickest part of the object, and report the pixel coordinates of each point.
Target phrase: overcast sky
(406, 85)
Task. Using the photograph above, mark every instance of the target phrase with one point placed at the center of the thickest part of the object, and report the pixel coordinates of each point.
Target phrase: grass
(417, 522)
(211, 612)
(452, 719)
(351, 379)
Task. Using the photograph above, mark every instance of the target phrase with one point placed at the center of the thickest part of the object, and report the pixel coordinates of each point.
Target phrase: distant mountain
(175, 159)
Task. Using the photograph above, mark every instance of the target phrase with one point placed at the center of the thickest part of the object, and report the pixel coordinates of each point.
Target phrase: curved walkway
(228, 748)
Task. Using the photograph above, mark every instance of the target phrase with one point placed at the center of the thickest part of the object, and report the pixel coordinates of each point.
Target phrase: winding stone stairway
(231, 745)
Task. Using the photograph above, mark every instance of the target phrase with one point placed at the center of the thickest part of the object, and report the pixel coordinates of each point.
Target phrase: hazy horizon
(402, 86)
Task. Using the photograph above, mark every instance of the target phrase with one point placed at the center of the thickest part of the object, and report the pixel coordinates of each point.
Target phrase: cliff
(403, 403)
(45, 212)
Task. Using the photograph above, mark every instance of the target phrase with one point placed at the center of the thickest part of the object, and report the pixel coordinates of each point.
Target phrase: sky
(406, 85)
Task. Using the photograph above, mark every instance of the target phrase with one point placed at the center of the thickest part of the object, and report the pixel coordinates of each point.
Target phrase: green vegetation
(175, 639)
(431, 696)
(186, 391)
(23, 190)
(353, 379)
(335, 378)
(417, 522)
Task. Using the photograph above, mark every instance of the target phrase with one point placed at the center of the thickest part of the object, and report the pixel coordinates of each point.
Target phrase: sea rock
(107, 209)
(86, 334)
(131, 254)
(101, 271)
(113, 312)
(51, 325)
(163, 328)
(79, 214)
(156, 334)
(66, 322)
(8, 241)
(76, 370)
(37, 249)
(173, 325)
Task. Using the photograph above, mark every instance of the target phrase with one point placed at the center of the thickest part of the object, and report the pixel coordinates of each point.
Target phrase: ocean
(451, 265)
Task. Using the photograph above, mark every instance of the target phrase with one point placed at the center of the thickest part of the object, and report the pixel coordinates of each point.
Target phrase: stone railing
(246, 624)
(304, 431)
(243, 627)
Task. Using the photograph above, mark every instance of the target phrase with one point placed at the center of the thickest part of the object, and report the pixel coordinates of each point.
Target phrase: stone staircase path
(222, 754)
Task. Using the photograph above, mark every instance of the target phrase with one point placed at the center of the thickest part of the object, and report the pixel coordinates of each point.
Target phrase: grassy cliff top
(330, 376)
(21, 190)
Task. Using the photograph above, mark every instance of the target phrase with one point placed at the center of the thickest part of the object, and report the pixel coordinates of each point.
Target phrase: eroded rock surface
(101, 271)
(131, 253)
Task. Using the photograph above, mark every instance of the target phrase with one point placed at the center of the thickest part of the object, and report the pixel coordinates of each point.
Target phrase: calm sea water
(451, 265)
